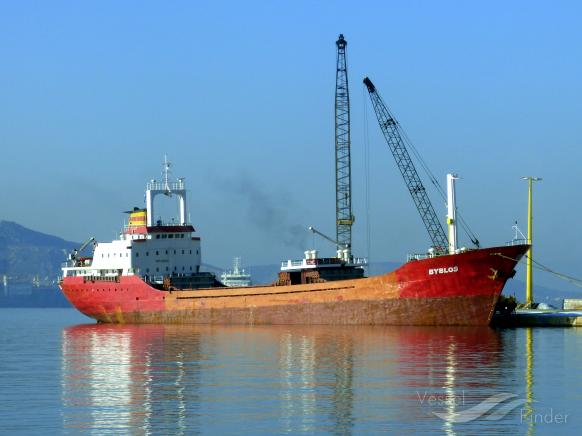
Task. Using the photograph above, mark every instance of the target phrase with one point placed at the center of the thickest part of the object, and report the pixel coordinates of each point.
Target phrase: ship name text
(450, 269)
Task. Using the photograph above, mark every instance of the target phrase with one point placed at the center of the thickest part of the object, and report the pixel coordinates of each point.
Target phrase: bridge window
(182, 251)
(147, 253)
(164, 236)
(157, 253)
(136, 254)
(190, 251)
(157, 236)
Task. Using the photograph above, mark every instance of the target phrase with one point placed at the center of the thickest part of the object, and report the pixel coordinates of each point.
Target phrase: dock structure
(572, 304)
(539, 318)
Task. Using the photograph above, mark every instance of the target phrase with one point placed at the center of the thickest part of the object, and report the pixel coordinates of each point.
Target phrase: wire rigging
(538, 265)
(434, 181)
(367, 177)
(575, 281)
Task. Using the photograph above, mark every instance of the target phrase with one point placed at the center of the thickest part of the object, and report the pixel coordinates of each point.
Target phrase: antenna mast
(166, 175)
(343, 177)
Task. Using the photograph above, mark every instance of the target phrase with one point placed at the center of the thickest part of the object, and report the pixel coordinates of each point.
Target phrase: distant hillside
(25, 253)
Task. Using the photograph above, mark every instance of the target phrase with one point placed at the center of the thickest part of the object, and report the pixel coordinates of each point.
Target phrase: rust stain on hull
(445, 290)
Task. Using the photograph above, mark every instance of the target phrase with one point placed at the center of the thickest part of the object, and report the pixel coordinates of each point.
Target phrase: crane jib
(391, 132)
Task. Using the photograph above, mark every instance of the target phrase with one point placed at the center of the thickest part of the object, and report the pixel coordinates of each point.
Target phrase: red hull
(459, 289)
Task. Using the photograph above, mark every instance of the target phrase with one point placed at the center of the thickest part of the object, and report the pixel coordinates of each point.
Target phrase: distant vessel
(152, 274)
(237, 276)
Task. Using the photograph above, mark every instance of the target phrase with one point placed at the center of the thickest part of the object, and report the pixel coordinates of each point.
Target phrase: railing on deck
(162, 186)
(516, 242)
(311, 263)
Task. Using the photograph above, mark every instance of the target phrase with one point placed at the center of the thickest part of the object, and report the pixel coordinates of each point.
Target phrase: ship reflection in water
(264, 380)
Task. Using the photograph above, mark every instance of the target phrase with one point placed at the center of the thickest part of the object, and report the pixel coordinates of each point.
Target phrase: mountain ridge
(27, 255)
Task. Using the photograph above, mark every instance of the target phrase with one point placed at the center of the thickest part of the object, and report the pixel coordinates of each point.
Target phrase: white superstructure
(151, 250)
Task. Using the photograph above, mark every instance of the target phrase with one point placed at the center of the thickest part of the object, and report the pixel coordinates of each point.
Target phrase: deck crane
(74, 255)
(343, 250)
(327, 238)
(343, 178)
(393, 135)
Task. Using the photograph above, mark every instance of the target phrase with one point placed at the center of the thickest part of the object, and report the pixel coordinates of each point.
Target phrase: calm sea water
(61, 373)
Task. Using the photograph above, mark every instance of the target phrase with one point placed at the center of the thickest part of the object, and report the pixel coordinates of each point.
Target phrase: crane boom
(391, 130)
(324, 236)
(343, 178)
(74, 255)
(86, 244)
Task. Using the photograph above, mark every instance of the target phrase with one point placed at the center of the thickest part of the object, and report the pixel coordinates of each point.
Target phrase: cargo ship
(152, 274)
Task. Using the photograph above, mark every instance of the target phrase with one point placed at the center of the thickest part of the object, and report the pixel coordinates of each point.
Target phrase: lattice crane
(343, 177)
(392, 132)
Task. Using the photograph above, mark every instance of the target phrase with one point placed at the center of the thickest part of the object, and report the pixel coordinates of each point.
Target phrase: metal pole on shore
(529, 274)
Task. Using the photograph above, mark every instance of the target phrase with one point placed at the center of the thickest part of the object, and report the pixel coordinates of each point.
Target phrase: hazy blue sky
(240, 96)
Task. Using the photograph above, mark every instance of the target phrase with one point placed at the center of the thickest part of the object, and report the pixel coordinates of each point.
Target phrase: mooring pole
(529, 273)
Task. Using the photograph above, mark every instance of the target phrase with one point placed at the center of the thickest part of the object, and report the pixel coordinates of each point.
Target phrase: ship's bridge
(153, 249)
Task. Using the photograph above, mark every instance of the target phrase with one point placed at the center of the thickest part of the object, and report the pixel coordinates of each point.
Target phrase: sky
(240, 97)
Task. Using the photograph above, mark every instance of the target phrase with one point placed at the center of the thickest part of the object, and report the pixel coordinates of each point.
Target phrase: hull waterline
(459, 289)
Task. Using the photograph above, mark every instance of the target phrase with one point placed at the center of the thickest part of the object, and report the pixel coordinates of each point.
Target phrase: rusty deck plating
(459, 289)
